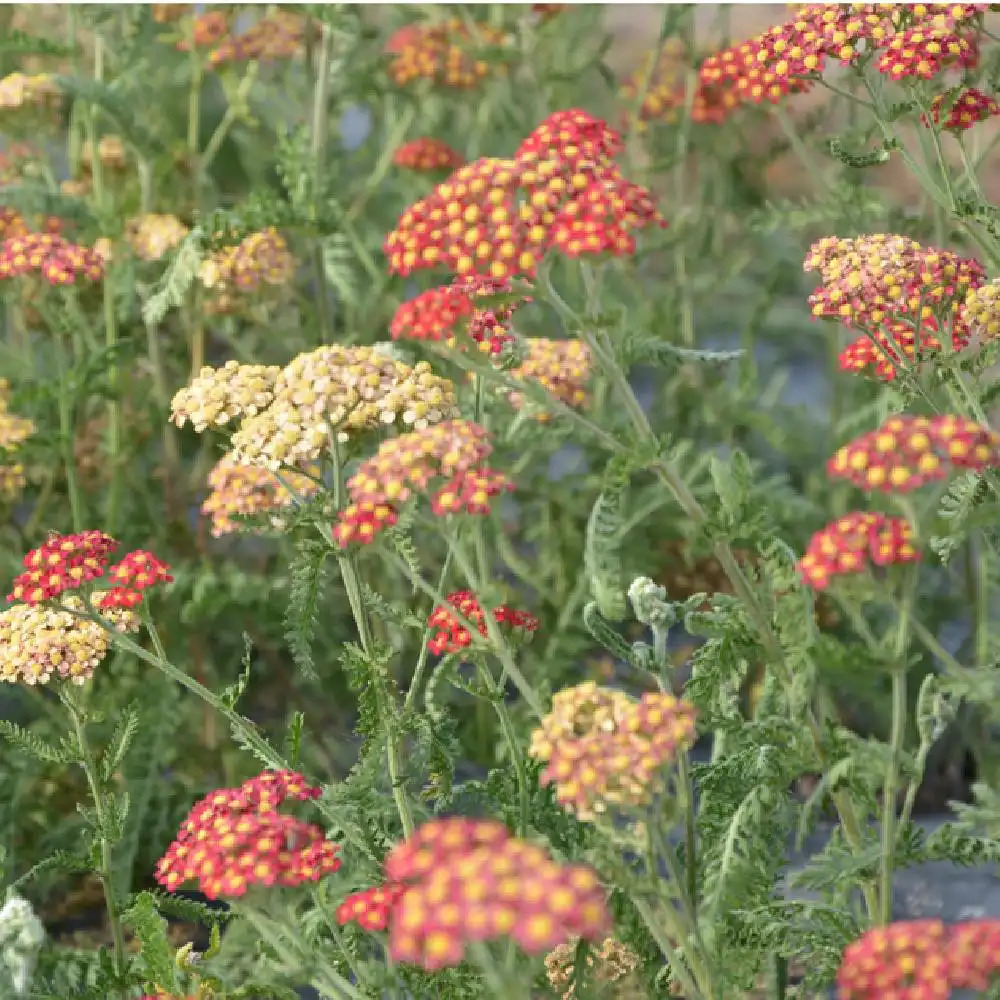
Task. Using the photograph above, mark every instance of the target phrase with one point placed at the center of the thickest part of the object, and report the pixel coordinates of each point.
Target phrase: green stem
(321, 97)
(106, 871)
(66, 436)
(897, 738)
(232, 114)
(662, 939)
(416, 682)
(690, 833)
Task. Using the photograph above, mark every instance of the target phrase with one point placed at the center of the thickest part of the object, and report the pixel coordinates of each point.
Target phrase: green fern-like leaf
(22, 739)
(308, 578)
(156, 956)
(174, 284)
(121, 740)
(602, 542)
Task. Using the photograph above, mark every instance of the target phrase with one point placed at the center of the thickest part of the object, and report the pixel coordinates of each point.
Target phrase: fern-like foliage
(179, 277)
(156, 955)
(308, 578)
(603, 541)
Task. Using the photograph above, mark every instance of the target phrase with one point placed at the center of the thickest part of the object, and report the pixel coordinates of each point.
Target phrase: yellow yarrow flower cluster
(981, 310)
(152, 236)
(561, 366)
(14, 431)
(260, 260)
(220, 395)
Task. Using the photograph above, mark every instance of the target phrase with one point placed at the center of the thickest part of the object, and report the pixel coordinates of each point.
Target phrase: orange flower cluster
(243, 490)
(38, 643)
(259, 259)
(603, 749)
(427, 154)
(277, 36)
(67, 562)
(562, 366)
(457, 881)
(849, 543)
(453, 450)
(152, 236)
(915, 40)
(968, 108)
(497, 218)
(920, 960)
(906, 452)
(981, 310)
(443, 53)
(57, 260)
(235, 838)
(451, 636)
(206, 29)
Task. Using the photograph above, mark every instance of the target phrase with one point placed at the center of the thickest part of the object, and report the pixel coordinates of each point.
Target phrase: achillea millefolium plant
(366, 371)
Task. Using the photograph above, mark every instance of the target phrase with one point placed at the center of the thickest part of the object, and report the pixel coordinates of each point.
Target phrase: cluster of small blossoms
(931, 44)
(235, 838)
(206, 29)
(907, 451)
(981, 311)
(427, 154)
(277, 36)
(611, 966)
(152, 236)
(453, 450)
(459, 881)
(67, 562)
(18, 90)
(969, 108)
(220, 395)
(38, 643)
(847, 545)
(53, 257)
(14, 431)
(166, 13)
(921, 960)
(603, 749)
(370, 908)
(451, 636)
(563, 367)
(110, 151)
(496, 218)
(887, 347)
(261, 258)
(443, 53)
(242, 490)
(341, 389)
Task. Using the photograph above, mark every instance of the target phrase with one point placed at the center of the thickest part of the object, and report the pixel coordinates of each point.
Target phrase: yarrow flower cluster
(451, 636)
(67, 562)
(604, 750)
(967, 108)
(498, 217)
(920, 960)
(39, 642)
(110, 151)
(152, 236)
(53, 257)
(206, 29)
(339, 390)
(278, 36)
(907, 451)
(427, 154)
(241, 490)
(847, 545)
(459, 881)
(981, 311)
(20, 90)
(259, 260)
(563, 367)
(220, 395)
(235, 838)
(611, 964)
(453, 450)
(445, 54)
(14, 431)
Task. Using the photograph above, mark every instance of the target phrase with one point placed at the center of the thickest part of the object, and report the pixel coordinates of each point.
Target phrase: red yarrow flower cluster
(968, 108)
(497, 218)
(907, 451)
(893, 344)
(847, 545)
(55, 258)
(451, 636)
(920, 960)
(427, 154)
(459, 881)
(370, 908)
(932, 44)
(443, 53)
(453, 450)
(67, 562)
(236, 838)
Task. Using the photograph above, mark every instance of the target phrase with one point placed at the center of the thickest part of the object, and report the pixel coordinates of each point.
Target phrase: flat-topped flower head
(340, 390)
(854, 542)
(280, 35)
(64, 562)
(235, 838)
(573, 137)
(14, 431)
(370, 908)
(260, 263)
(926, 49)
(427, 154)
(893, 344)
(239, 490)
(906, 452)
(51, 257)
(21, 90)
(980, 311)
(611, 966)
(416, 463)
(973, 954)
(873, 278)
(218, 396)
(446, 54)
(206, 30)
(152, 236)
(131, 577)
(563, 367)
(458, 881)
(451, 636)
(40, 643)
(907, 960)
(966, 109)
